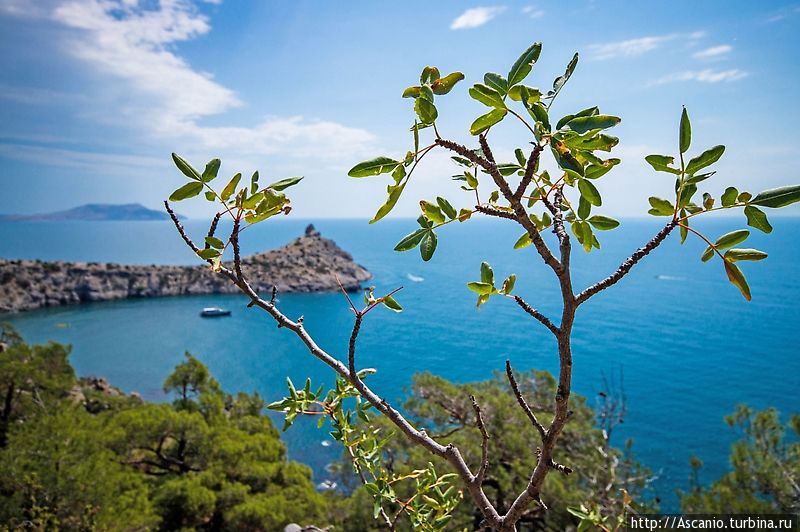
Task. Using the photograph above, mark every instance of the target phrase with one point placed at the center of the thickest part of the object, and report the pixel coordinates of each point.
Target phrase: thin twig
(544, 320)
(479, 476)
(628, 263)
(522, 403)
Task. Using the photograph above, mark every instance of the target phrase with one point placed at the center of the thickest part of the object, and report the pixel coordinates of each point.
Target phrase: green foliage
(77, 461)
(765, 475)
(684, 208)
(426, 498)
(444, 408)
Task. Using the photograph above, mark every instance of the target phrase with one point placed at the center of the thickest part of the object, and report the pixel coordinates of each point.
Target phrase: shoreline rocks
(309, 263)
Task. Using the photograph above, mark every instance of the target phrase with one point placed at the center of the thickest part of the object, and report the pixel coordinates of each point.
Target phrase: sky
(96, 94)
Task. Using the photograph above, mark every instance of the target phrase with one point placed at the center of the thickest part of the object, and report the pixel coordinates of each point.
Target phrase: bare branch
(484, 442)
(544, 320)
(179, 227)
(521, 214)
(213, 228)
(530, 167)
(351, 352)
(560, 467)
(627, 264)
(489, 211)
(522, 403)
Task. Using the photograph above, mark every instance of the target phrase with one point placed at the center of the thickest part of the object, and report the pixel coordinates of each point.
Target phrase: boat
(213, 312)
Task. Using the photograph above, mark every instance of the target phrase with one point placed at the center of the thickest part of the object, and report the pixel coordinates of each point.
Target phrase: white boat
(213, 312)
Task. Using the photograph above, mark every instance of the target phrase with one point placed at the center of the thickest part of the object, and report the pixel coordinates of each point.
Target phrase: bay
(689, 347)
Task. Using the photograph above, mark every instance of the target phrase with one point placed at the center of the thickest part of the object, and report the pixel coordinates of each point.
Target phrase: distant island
(307, 264)
(130, 212)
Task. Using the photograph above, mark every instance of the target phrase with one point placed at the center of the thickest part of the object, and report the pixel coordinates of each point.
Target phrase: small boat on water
(214, 312)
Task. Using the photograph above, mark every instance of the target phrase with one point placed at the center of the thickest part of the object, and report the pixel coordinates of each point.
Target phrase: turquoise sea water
(690, 347)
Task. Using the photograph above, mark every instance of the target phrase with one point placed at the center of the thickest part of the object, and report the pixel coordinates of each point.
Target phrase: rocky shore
(307, 264)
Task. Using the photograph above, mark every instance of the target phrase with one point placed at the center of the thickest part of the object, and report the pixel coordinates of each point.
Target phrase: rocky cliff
(307, 264)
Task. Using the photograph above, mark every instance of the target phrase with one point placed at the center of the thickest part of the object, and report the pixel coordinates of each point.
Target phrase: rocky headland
(307, 264)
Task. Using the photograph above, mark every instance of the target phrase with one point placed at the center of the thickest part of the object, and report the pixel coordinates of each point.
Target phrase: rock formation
(307, 264)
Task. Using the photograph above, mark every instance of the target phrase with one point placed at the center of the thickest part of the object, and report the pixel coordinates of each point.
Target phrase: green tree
(517, 191)
(79, 459)
(31, 378)
(765, 475)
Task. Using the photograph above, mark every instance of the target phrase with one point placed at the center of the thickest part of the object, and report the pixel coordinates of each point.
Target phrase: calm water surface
(690, 347)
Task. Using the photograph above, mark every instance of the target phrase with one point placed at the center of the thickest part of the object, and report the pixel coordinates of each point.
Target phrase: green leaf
(426, 111)
(595, 171)
(189, 190)
(757, 218)
(210, 173)
(706, 158)
(429, 75)
(660, 207)
(285, 183)
(376, 166)
(531, 95)
(707, 254)
(208, 254)
(584, 208)
(729, 240)
(428, 245)
(523, 241)
(539, 113)
(484, 122)
(685, 132)
(561, 80)
(487, 96)
(254, 182)
(230, 188)
(410, 241)
(431, 212)
(603, 223)
(472, 181)
(185, 167)
(394, 195)
(446, 84)
(412, 92)
(487, 274)
(390, 303)
(776, 198)
(480, 288)
(736, 254)
(590, 192)
(215, 242)
(253, 200)
(590, 111)
(729, 196)
(508, 284)
(582, 124)
(522, 67)
(660, 163)
(496, 81)
(446, 207)
(736, 277)
(210, 196)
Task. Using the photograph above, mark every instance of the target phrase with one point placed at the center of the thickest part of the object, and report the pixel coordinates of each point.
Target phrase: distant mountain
(95, 212)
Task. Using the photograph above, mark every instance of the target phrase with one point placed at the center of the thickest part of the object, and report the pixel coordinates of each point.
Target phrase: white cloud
(715, 52)
(638, 46)
(533, 12)
(703, 76)
(476, 16)
(132, 43)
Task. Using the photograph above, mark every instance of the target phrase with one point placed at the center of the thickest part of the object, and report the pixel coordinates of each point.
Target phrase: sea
(675, 336)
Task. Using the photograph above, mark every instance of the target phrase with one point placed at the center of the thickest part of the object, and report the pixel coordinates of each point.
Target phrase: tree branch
(522, 403)
(478, 479)
(627, 264)
(536, 314)
(521, 214)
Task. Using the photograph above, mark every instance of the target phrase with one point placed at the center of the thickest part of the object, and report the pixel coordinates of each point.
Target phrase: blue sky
(95, 94)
